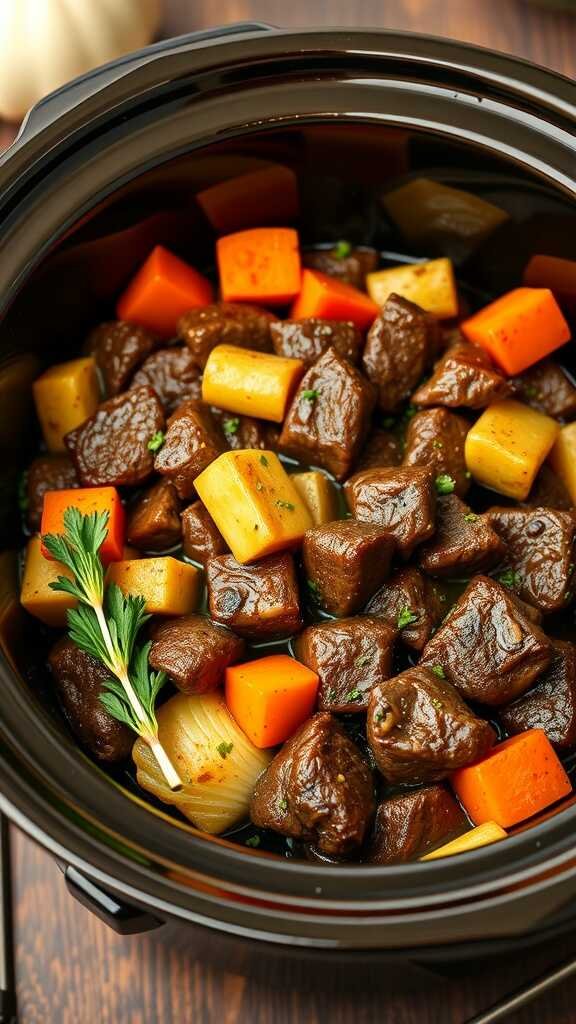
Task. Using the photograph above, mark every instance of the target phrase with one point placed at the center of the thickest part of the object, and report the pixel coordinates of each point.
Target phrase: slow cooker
(102, 170)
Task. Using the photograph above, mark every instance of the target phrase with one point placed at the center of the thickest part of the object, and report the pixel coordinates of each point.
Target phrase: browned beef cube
(259, 602)
(318, 789)
(329, 418)
(487, 646)
(243, 432)
(194, 652)
(464, 377)
(464, 543)
(202, 539)
(79, 680)
(550, 704)
(436, 438)
(420, 729)
(409, 603)
(111, 447)
(225, 323)
(351, 268)
(548, 491)
(350, 657)
(47, 473)
(539, 553)
(409, 825)
(382, 449)
(400, 346)
(192, 442)
(173, 374)
(310, 338)
(345, 562)
(119, 348)
(401, 501)
(548, 388)
(154, 519)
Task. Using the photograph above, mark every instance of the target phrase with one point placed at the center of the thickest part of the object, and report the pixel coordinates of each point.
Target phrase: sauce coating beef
(350, 657)
(548, 491)
(111, 447)
(201, 538)
(192, 442)
(540, 552)
(154, 518)
(409, 603)
(548, 388)
(329, 417)
(435, 438)
(345, 562)
(402, 501)
(400, 346)
(487, 646)
(47, 473)
(464, 543)
(243, 432)
(79, 680)
(119, 348)
(350, 269)
(310, 338)
(464, 377)
(382, 449)
(173, 374)
(318, 789)
(551, 703)
(225, 323)
(420, 729)
(194, 652)
(409, 825)
(259, 602)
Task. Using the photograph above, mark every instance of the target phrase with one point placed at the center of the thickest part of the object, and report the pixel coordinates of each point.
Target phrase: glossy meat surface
(119, 348)
(154, 518)
(194, 652)
(464, 543)
(400, 346)
(409, 597)
(548, 388)
(540, 552)
(464, 377)
(411, 824)
(402, 501)
(551, 703)
(47, 473)
(201, 538)
(350, 269)
(435, 438)
(225, 323)
(311, 337)
(192, 442)
(345, 563)
(173, 374)
(382, 450)
(260, 601)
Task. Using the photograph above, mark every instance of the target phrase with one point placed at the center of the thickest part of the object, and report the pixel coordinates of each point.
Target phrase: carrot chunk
(519, 329)
(163, 289)
(259, 265)
(87, 500)
(516, 780)
(325, 297)
(267, 195)
(555, 273)
(270, 697)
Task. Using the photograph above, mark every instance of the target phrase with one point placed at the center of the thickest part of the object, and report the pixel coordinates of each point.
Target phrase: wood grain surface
(70, 968)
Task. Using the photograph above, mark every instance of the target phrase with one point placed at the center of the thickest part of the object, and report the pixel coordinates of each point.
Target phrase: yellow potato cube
(482, 835)
(430, 285)
(254, 503)
(563, 458)
(50, 606)
(429, 213)
(251, 383)
(65, 396)
(169, 587)
(507, 445)
(319, 494)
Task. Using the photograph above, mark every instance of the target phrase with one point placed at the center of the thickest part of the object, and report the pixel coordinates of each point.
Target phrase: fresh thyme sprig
(106, 624)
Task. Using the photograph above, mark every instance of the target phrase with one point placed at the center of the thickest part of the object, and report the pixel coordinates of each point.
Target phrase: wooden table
(70, 968)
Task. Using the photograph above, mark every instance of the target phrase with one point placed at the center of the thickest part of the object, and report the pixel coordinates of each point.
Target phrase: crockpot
(102, 170)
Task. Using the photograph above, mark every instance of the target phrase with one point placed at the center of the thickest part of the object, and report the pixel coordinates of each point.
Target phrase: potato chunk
(507, 445)
(251, 383)
(50, 606)
(563, 458)
(65, 396)
(319, 494)
(169, 587)
(430, 285)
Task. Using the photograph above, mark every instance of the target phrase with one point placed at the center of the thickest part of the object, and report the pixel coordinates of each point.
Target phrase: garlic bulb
(44, 43)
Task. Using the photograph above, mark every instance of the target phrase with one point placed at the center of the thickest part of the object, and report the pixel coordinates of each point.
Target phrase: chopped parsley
(437, 703)
(156, 441)
(509, 578)
(342, 249)
(362, 660)
(331, 695)
(445, 484)
(285, 504)
(313, 588)
(437, 444)
(531, 391)
(439, 671)
(406, 617)
(378, 716)
(231, 426)
(224, 749)
(253, 841)
(470, 517)
(263, 460)
(352, 695)
(283, 805)
(388, 422)
(410, 411)
(310, 396)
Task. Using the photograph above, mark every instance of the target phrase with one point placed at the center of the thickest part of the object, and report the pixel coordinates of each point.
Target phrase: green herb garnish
(509, 578)
(362, 660)
(314, 589)
(352, 695)
(531, 391)
(388, 422)
(378, 716)
(406, 617)
(263, 460)
(331, 696)
(231, 426)
(439, 671)
(224, 749)
(437, 703)
(283, 805)
(342, 250)
(156, 441)
(470, 517)
(285, 504)
(437, 444)
(310, 396)
(253, 841)
(445, 484)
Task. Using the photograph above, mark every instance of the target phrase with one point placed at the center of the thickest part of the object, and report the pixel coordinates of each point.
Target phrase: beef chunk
(487, 646)
(310, 338)
(409, 825)
(194, 652)
(79, 680)
(259, 602)
(225, 323)
(154, 519)
(464, 377)
(329, 418)
(401, 501)
(202, 539)
(192, 442)
(318, 789)
(540, 553)
(47, 473)
(548, 388)
(345, 562)
(400, 346)
(119, 348)
(111, 447)
(350, 657)
(550, 704)
(435, 438)
(420, 729)
(382, 449)
(548, 491)
(410, 603)
(242, 432)
(464, 543)
(350, 269)
(173, 374)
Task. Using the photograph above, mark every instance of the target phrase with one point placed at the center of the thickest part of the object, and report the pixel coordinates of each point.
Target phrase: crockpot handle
(123, 918)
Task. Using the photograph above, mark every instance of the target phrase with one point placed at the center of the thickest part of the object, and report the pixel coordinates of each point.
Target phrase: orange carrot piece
(259, 265)
(162, 290)
(270, 697)
(268, 195)
(519, 329)
(555, 273)
(87, 500)
(516, 780)
(325, 297)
